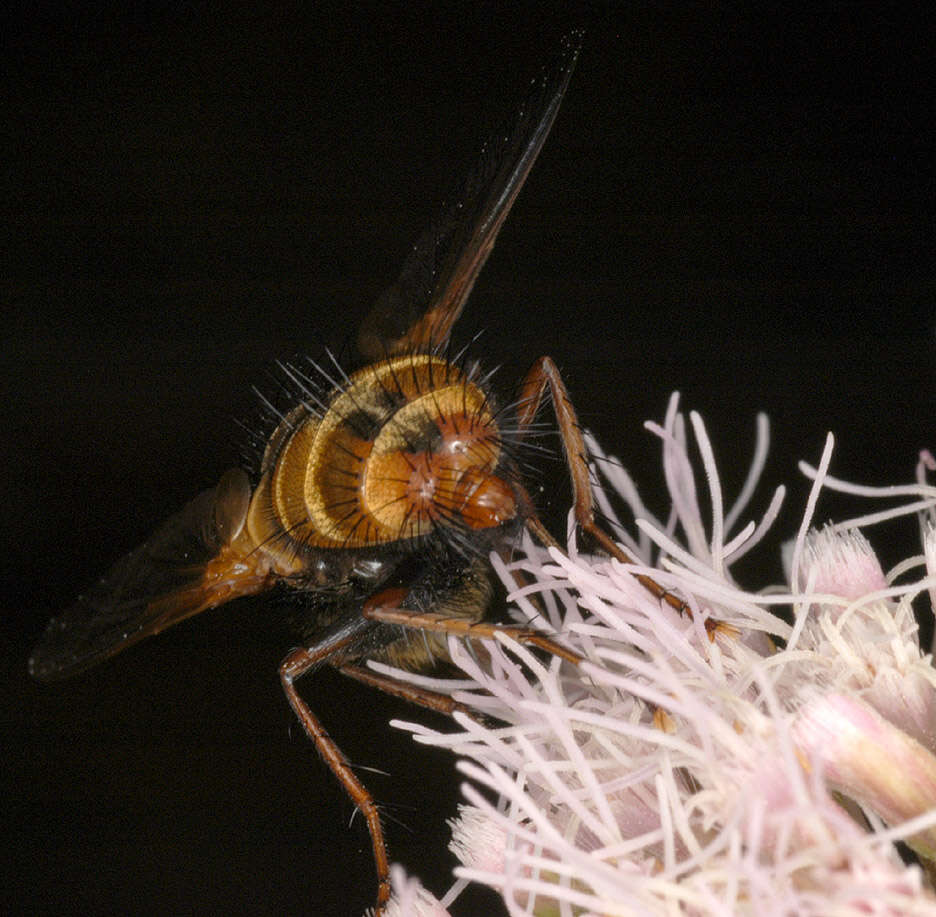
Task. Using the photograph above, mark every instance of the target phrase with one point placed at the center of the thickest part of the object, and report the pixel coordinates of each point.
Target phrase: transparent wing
(199, 558)
(417, 313)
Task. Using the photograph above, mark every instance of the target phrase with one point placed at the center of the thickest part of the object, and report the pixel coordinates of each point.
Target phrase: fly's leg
(460, 627)
(363, 632)
(545, 374)
(296, 664)
(371, 627)
(421, 697)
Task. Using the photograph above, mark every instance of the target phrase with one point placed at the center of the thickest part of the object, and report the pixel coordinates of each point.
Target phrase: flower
(750, 766)
(866, 758)
(410, 899)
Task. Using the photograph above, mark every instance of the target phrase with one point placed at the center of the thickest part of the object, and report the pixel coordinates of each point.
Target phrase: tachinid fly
(381, 491)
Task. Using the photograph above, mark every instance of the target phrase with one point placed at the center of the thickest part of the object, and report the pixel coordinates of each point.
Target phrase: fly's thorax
(403, 449)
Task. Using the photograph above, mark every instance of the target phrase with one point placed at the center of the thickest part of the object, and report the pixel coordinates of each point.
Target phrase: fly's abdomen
(403, 449)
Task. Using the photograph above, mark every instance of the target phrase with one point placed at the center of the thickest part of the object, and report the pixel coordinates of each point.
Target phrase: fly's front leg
(333, 644)
(545, 374)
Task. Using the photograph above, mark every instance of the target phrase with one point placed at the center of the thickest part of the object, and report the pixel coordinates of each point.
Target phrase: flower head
(701, 769)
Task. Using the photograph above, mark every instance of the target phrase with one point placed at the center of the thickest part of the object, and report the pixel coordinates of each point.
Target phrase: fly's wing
(417, 313)
(199, 558)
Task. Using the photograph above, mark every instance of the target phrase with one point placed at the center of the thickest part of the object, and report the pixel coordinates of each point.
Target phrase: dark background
(736, 201)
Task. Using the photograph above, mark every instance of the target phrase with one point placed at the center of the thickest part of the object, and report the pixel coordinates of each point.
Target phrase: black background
(736, 201)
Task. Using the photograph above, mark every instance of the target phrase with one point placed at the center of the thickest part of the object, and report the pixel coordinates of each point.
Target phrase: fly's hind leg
(334, 643)
(371, 631)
